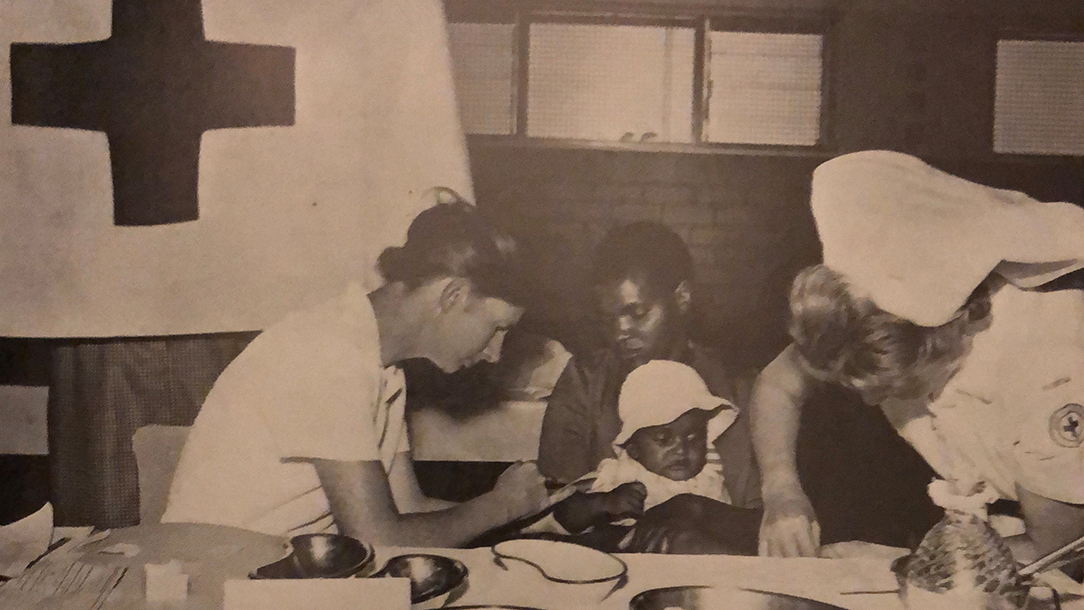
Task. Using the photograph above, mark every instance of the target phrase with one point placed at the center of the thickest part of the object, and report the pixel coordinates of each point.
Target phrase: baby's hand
(625, 500)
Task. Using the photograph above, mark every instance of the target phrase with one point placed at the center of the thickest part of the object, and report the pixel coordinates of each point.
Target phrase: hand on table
(521, 490)
(789, 527)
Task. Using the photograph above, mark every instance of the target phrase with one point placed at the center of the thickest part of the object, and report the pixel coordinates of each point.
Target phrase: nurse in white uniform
(928, 304)
(305, 431)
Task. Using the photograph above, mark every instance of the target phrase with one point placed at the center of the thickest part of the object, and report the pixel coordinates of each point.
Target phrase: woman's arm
(789, 527)
(1050, 525)
(403, 479)
(363, 506)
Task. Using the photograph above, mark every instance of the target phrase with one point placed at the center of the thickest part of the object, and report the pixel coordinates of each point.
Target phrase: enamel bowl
(319, 556)
(711, 598)
(562, 573)
(434, 579)
(490, 607)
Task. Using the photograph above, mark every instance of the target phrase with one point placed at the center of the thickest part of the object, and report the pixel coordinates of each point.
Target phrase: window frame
(1034, 29)
(703, 20)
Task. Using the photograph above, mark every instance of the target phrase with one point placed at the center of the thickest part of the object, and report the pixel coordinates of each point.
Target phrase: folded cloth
(24, 541)
(918, 241)
(614, 472)
(532, 375)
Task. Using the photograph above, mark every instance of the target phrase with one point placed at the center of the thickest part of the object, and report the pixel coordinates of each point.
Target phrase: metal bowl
(434, 579)
(319, 556)
(490, 607)
(710, 598)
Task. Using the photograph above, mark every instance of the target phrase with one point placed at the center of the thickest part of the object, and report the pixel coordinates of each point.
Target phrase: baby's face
(677, 450)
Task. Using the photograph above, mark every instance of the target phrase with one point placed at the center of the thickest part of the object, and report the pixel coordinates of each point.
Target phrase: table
(805, 577)
(209, 554)
(213, 554)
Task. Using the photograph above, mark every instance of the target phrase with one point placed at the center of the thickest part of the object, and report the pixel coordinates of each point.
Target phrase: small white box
(318, 594)
(166, 583)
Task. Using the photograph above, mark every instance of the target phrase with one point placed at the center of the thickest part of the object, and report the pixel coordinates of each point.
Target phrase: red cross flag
(188, 166)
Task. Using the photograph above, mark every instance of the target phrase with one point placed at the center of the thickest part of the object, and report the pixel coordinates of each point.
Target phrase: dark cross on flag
(153, 87)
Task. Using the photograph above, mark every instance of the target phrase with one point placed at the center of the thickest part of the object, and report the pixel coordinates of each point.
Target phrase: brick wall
(918, 81)
(745, 219)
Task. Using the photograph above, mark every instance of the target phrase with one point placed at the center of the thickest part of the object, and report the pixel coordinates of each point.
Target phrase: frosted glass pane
(765, 88)
(605, 82)
(1039, 97)
(483, 65)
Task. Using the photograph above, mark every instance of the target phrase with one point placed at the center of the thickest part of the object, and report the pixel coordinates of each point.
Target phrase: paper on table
(867, 576)
(63, 583)
(24, 541)
(322, 594)
(71, 532)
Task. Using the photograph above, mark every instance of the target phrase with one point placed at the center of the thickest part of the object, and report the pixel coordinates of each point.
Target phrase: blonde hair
(845, 338)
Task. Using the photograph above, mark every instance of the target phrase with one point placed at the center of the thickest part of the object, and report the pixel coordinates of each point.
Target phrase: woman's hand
(625, 500)
(789, 527)
(520, 491)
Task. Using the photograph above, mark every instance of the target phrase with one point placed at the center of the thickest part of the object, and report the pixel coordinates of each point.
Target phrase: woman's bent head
(463, 277)
(643, 275)
(845, 338)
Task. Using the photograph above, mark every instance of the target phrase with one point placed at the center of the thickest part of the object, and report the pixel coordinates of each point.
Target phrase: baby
(668, 417)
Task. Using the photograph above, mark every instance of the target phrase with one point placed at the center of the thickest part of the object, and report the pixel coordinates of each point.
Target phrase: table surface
(214, 554)
(210, 555)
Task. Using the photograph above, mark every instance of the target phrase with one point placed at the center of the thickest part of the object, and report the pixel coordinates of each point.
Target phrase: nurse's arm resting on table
(789, 527)
(363, 506)
(1050, 525)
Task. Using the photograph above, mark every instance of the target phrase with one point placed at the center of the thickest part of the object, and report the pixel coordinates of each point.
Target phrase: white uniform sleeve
(1047, 427)
(326, 408)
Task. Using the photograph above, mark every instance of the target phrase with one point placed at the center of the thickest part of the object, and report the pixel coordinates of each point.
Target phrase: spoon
(1065, 555)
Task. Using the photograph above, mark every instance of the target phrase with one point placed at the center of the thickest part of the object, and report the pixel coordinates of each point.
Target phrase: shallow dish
(490, 607)
(711, 598)
(561, 572)
(434, 579)
(319, 556)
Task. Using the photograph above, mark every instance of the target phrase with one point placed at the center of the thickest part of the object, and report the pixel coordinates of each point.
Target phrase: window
(602, 82)
(483, 68)
(765, 88)
(568, 76)
(1039, 97)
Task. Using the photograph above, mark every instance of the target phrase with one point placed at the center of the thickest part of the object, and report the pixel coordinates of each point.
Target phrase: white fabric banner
(287, 215)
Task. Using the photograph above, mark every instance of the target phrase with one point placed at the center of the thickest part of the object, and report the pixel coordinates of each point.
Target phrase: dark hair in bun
(451, 239)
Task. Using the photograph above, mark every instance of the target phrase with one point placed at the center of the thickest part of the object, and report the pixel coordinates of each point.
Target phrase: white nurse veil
(918, 240)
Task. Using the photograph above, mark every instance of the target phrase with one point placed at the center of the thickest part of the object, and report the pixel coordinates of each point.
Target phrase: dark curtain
(100, 393)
